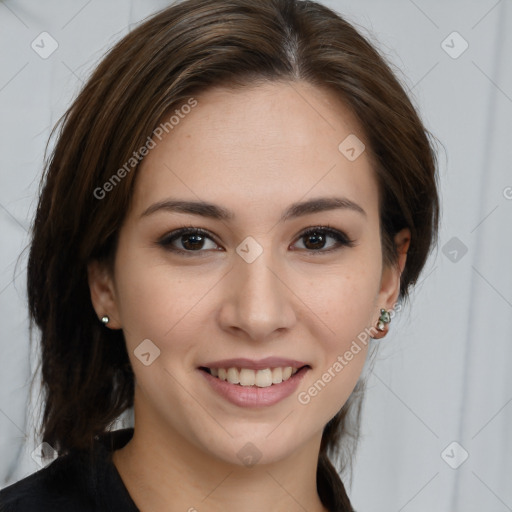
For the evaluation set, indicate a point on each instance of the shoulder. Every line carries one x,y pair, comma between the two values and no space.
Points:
57,487
75,482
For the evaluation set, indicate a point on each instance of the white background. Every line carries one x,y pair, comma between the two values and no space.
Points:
443,374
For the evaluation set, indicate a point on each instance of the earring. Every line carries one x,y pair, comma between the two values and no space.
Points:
105,319
383,320
382,324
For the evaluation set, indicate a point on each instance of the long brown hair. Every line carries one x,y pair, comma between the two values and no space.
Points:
180,52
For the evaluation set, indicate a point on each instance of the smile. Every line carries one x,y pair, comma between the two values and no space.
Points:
248,377
254,387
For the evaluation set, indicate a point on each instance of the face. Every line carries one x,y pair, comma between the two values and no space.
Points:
267,285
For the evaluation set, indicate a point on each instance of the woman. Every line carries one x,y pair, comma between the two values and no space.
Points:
239,200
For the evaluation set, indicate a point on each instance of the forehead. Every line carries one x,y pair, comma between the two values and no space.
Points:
259,146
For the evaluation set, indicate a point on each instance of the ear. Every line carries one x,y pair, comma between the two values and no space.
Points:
103,296
390,280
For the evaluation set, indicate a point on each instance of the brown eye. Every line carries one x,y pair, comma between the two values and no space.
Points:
316,239
192,240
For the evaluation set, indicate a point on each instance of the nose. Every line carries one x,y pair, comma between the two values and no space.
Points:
257,302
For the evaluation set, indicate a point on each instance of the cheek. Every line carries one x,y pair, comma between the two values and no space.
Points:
344,303
155,303
341,353
342,296
150,292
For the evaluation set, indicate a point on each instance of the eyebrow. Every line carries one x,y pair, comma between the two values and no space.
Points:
214,211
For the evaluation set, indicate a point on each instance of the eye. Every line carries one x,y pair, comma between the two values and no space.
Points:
316,239
192,240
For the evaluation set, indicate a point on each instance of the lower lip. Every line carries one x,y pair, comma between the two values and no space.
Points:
253,396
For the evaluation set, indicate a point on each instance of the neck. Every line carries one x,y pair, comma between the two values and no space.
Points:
163,471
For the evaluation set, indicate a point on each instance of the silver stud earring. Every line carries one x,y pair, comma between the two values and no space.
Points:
105,319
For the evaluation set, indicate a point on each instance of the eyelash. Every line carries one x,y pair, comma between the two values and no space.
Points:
341,239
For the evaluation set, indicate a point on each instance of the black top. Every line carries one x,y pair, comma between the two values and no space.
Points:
72,483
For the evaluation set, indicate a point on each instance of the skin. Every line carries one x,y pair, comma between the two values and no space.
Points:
254,151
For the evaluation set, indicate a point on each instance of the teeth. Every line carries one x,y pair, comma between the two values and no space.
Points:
264,378
247,377
277,375
233,375
260,378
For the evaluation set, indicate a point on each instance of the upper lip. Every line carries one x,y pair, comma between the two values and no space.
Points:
253,364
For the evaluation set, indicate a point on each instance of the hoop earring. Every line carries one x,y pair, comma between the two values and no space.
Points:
105,319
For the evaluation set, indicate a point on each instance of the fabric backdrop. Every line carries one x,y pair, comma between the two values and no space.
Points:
437,422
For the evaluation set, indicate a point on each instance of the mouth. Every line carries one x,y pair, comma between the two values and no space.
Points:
255,378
